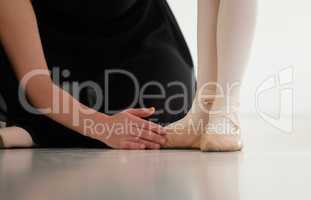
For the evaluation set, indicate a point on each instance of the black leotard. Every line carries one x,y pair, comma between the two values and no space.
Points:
89,37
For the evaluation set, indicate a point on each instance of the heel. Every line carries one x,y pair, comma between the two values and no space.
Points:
223,133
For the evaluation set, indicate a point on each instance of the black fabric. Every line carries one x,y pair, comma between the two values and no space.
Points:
142,37
83,11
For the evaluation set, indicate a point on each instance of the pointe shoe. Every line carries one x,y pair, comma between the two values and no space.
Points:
187,132
15,137
179,141
223,133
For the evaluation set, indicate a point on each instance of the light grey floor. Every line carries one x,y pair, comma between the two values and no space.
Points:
273,165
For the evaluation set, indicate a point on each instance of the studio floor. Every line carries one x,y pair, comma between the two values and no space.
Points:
273,165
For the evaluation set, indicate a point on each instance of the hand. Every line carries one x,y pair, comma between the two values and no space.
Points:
128,130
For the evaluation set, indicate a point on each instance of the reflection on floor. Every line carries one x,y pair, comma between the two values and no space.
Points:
273,165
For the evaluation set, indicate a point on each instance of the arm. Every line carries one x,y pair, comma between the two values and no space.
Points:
18,33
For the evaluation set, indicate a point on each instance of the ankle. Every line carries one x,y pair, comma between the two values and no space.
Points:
225,106
203,101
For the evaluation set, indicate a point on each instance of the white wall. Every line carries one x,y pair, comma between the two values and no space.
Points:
283,39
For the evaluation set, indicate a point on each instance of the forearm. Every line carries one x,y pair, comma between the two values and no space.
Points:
68,111
20,37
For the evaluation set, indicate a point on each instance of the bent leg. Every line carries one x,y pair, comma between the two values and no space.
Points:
156,78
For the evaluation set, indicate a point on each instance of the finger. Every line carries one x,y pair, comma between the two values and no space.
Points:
129,145
148,144
141,112
148,135
148,125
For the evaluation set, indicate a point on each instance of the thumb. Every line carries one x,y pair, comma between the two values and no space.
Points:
141,112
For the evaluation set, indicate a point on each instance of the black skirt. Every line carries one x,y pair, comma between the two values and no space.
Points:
144,41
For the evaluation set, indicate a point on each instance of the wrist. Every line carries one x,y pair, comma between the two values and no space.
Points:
97,126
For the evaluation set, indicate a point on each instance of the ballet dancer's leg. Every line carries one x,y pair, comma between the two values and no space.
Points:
215,117
236,25
186,133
